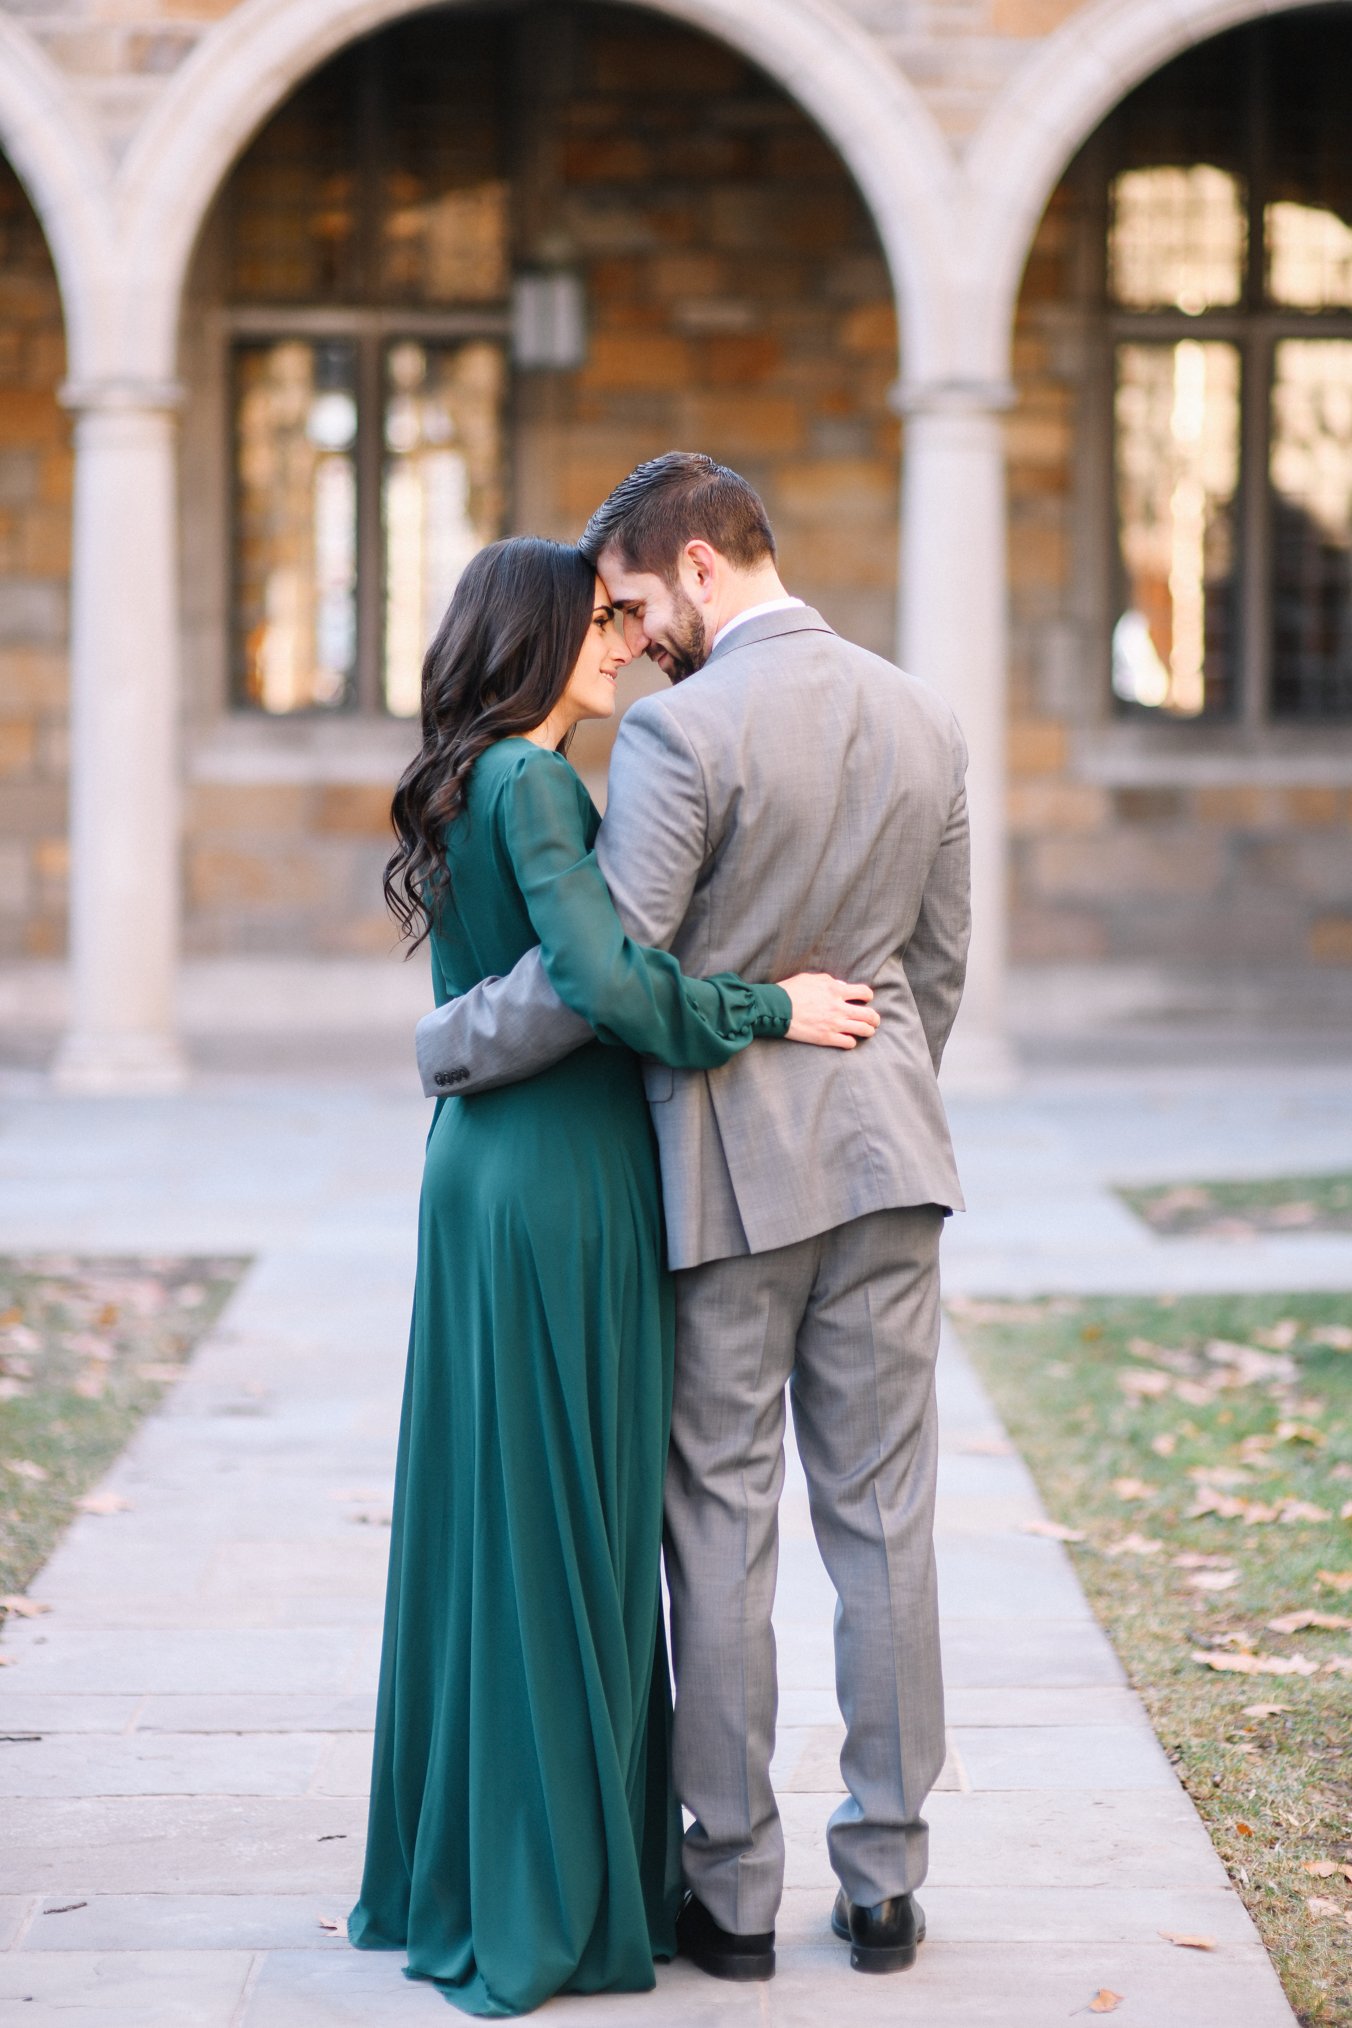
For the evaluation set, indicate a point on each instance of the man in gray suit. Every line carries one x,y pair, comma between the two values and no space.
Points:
792,804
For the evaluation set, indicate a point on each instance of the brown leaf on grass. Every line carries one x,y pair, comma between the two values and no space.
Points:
23,1608
1345,1511
1256,1665
1266,1710
1338,1337
24,1468
103,1503
1134,1489
1199,1559
1244,1830
1279,1337
1300,1212
1213,1580
1105,2001
1134,1544
1320,1905
1339,1665
161,1370
1055,1531
1195,1393
1336,1580
1165,1444
1144,1381
1299,1433
1188,1943
1302,1510
90,1386
1296,1623
1322,1869
10,1388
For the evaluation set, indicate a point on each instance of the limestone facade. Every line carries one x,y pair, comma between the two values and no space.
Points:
839,245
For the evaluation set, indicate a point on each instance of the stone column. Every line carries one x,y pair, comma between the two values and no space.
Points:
124,788
953,635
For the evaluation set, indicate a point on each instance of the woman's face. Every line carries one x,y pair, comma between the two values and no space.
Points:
590,691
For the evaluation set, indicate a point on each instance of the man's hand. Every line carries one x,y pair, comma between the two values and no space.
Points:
829,1012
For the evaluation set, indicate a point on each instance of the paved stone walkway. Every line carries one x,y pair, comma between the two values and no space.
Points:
189,1815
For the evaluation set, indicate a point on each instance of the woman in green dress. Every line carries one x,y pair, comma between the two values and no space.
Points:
523,1836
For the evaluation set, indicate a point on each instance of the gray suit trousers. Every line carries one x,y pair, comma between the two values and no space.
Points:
849,1319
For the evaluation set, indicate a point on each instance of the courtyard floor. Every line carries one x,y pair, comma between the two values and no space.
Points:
189,1816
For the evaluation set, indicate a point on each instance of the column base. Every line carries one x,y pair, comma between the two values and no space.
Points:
979,1062
119,1065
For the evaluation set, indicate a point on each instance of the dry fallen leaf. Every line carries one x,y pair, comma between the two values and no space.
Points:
1340,1665
1322,1869
1337,1336
1305,1510
8,1661
1266,1710
1134,1489
1105,2001
1320,1904
1336,1580
1199,1559
327,1922
1256,1665
23,1608
1055,1531
103,1503
1279,1337
1188,1943
1299,1433
1244,1830
986,1447
1165,1444
1144,1381
1296,1623
1214,1580
161,1370
1134,1544
24,1468
1345,1511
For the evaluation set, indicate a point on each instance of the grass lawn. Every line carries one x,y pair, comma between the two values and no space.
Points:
1203,1445
1237,1210
86,1348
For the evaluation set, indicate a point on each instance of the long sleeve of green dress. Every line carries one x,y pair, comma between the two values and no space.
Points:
630,993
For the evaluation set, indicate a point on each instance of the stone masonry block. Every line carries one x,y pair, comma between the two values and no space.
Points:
740,358
1037,746
32,612
1036,806
851,489
15,881
1055,935
730,425
1118,865
18,743
247,808
872,327
1331,940
1315,806
220,876
635,360
356,810
1247,806
1315,865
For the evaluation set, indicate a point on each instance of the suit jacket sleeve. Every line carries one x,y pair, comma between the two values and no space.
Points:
935,958
650,849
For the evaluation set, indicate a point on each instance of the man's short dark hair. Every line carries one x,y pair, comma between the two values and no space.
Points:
681,497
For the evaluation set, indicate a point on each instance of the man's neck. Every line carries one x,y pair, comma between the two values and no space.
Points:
743,591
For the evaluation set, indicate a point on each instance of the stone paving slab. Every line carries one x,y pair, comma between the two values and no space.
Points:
212,1652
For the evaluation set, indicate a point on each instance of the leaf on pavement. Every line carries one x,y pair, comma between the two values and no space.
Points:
103,1503
329,1923
986,1447
1105,2001
23,1608
1055,1531
1188,1943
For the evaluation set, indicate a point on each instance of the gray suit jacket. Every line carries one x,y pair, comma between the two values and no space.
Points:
796,805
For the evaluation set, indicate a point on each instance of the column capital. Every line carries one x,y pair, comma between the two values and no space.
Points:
951,397
122,395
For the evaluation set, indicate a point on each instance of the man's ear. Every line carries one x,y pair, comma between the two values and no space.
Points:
702,561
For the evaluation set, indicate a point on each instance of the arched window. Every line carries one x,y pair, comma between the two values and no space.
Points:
1225,280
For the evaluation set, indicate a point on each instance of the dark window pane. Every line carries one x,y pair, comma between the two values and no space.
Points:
444,204
1310,470
294,228
296,525
443,491
1176,410
1306,62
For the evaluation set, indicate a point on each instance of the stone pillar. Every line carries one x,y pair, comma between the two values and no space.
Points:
124,785
953,635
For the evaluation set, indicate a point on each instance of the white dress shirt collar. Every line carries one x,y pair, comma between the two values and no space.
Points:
781,605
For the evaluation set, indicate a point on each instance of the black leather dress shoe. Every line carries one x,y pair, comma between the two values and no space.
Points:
721,1952
883,1938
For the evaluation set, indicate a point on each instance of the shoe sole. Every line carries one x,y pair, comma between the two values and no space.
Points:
742,1969
864,1960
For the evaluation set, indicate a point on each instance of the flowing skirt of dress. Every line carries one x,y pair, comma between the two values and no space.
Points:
523,1836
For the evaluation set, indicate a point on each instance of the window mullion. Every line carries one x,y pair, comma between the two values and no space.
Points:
1255,542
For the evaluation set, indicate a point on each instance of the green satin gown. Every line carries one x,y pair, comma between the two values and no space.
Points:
523,1836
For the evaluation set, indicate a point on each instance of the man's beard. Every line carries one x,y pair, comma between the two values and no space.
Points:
687,645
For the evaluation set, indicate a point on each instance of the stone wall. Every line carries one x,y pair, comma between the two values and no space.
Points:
35,481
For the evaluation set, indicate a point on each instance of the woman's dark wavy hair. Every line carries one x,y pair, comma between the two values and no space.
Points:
498,664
